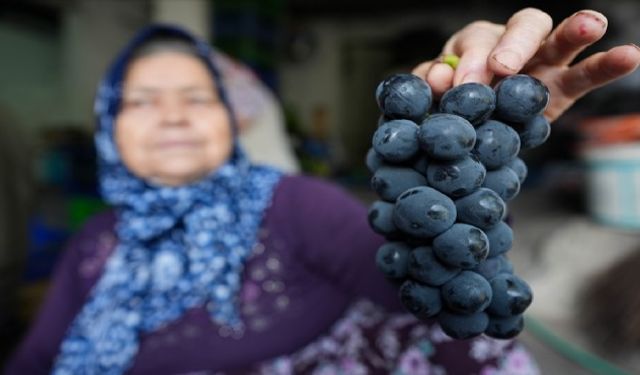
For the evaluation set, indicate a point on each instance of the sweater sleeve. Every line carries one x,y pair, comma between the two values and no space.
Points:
336,240
65,297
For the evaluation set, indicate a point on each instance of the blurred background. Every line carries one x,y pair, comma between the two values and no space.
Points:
309,71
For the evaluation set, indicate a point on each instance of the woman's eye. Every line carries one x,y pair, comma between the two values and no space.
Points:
200,100
138,102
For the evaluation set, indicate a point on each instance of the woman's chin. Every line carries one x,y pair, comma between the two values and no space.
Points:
176,178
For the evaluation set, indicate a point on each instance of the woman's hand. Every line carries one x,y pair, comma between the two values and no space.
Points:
527,44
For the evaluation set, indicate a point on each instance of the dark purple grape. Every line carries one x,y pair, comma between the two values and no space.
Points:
420,300
456,178
426,268
511,295
381,218
462,246
518,165
373,160
473,101
519,98
392,259
390,181
446,137
396,140
496,144
459,326
404,96
500,239
493,266
503,181
504,327
534,132
482,208
467,293
423,212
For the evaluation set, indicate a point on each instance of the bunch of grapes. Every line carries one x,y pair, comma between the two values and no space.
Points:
443,174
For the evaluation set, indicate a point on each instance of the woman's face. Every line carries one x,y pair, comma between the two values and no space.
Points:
172,128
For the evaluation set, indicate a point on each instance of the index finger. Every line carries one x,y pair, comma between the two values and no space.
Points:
525,32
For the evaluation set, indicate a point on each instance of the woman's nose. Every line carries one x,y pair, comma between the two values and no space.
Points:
174,112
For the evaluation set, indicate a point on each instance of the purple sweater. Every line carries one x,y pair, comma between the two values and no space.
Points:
314,257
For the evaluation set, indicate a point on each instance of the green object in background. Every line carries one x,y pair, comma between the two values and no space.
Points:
572,352
80,209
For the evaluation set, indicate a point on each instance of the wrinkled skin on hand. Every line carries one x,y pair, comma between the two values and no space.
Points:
529,44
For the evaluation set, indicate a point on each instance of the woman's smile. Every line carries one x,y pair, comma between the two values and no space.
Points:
180,145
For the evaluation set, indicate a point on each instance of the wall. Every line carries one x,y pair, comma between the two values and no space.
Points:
93,32
194,14
30,76
49,77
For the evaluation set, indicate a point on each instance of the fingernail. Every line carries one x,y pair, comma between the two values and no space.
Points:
593,15
635,46
509,59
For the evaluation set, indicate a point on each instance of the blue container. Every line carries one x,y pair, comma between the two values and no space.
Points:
613,184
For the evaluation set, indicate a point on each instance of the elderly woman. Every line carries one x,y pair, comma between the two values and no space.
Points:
210,265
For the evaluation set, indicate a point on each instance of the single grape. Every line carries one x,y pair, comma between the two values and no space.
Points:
473,101
482,208
459,326
519,98
373,160
404,96
503,181
381,218
500,239
504,327
426,268
396,140
534,132
462,246
446,137
420,300
423,212
392,259
511,295
493,266
467,293
456,178
496,144
518,165
390,181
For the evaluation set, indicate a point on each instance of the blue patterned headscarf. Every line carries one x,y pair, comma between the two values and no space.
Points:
179,247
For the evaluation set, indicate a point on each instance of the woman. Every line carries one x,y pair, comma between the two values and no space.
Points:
210,265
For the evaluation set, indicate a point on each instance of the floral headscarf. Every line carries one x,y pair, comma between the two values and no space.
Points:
179,247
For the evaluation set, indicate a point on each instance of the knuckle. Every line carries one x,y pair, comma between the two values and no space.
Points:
482,25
